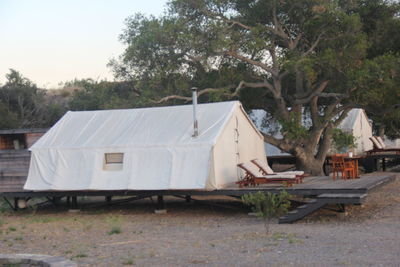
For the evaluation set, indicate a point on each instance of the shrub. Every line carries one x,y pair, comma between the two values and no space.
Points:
268,206
115,230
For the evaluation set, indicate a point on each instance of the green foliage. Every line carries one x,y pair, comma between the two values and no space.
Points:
343,141
292,128
79,255
115,230
128,261
93,95
379,93
24,105
8,119
283,51
268,205
4,207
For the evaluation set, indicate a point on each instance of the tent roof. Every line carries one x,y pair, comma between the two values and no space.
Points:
351,118
143,127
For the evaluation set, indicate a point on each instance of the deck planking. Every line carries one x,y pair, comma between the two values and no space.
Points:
311,186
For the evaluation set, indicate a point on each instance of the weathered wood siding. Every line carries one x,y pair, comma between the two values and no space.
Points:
31,138
14,166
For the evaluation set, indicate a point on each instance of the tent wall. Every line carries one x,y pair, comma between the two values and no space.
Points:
357,124
239,142
392,143
362,131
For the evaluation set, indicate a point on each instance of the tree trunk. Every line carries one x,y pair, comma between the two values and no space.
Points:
381,131
310,165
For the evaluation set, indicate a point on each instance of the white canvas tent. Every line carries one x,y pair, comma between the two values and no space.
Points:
392,143
145,149
356,123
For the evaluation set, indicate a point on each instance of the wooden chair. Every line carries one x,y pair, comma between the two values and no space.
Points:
265,169
339,165
253,177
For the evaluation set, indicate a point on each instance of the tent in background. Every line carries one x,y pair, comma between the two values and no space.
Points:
356,123
145,149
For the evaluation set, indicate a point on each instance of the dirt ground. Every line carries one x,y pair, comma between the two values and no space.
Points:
198,233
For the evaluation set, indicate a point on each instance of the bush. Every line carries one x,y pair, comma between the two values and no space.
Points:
115,230
268,206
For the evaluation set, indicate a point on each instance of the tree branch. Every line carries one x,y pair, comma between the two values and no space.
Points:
317,92
313,46
280,143
189,98
252,62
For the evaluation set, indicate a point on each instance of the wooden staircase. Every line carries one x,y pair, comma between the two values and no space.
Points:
14,167
319,202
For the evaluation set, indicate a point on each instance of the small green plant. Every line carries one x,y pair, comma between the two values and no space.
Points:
3,206
12,229
68,252
292,127
80,255
128,261
115,230
267,206
343,141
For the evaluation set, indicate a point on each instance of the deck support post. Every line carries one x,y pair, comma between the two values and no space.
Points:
188,198
56,201
16,203
108,199
160,205
68,201
74,202
342,207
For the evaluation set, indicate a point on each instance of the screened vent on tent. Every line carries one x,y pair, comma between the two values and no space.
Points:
113,161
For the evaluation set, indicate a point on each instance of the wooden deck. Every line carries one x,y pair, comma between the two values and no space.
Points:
320,191
312,186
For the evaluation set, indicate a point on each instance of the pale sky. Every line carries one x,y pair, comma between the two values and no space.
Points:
52,41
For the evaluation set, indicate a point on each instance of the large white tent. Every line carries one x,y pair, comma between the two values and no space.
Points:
145,149
355,123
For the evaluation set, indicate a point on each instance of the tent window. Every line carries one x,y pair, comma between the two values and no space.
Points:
113,161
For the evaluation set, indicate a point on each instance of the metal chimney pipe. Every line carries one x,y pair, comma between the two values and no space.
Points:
194,101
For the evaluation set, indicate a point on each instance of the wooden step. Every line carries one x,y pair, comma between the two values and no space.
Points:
343,198
302,211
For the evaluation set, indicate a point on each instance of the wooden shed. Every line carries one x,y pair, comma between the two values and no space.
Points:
16,139
15,156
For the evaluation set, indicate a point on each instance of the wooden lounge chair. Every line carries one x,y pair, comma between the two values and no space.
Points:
379,146
265,169
253,177
339,165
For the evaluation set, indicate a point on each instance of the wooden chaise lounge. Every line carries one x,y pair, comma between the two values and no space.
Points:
265,169
254,177
379,146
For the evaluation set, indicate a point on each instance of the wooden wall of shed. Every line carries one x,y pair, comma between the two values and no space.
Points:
31,138
14,167
6,143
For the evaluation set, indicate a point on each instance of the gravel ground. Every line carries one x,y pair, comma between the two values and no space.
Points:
196,234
